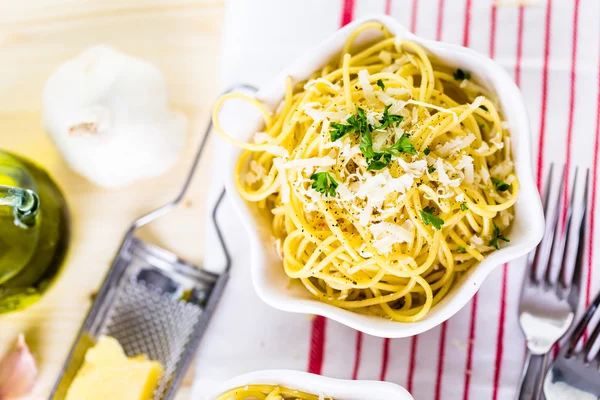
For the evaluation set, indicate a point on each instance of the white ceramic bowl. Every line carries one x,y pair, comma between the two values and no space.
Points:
316,384
268,276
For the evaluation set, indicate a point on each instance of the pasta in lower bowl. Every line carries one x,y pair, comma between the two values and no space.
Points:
269,392
287,384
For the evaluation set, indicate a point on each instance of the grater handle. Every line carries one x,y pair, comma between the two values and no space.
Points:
151,216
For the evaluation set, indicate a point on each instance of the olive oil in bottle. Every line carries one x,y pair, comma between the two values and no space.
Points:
34,232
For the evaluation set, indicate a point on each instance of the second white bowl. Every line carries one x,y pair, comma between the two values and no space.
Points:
318,385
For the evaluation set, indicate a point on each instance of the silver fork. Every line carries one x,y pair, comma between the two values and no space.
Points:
550,296
574,374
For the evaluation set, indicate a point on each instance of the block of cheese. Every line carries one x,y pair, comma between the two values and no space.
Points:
107,373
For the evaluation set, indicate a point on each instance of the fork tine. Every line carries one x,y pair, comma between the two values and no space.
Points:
589,344
574,283
563,239
543,252
547,190
532,255
582,325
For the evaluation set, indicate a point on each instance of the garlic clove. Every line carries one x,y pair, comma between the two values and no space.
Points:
18,372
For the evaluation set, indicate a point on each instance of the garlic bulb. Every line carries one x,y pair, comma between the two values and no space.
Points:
18,372
108,114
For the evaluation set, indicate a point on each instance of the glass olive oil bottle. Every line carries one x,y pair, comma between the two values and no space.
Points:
34,232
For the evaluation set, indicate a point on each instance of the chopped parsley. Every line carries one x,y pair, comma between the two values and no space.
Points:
403,145
380,84
359,125
430,219
460,75
427,151
376,161
497,236
359,121
500,185
339,130
380,161
431,169
484,108
366,145
324,183
356,123
388,119
461,250
463,206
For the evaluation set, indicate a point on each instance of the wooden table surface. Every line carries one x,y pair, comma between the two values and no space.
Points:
182,38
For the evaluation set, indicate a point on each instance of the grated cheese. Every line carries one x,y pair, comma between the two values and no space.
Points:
477,102
443,178
278,250
385,57
438,108
319,115
416,168
387,234
506,217
363,252
391,68
314,82
376,188
261,137
455,145
398,132
344,193
398,91
503,169
476,240
384,97
398,43
278,151
379,139
306,163
257,172
398,107
485,174
466,164
483,148
348,151
373,117
497,140
363,79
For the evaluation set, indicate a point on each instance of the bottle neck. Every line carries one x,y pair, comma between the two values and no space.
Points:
25,203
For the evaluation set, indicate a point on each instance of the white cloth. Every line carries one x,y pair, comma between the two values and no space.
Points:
263,36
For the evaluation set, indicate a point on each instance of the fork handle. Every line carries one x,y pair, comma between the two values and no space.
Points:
530,385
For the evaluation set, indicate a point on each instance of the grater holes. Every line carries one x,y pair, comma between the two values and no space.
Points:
145,321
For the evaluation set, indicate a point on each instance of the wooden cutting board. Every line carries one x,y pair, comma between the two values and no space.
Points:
182,38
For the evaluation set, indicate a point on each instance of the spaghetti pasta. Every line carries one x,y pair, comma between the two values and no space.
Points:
268,392
387,175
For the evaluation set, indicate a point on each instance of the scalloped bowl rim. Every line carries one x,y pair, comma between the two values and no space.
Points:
317,384
529,215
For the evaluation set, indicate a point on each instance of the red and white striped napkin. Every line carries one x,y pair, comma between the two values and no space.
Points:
552,49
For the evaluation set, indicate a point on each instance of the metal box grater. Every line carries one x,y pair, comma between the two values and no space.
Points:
153,303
